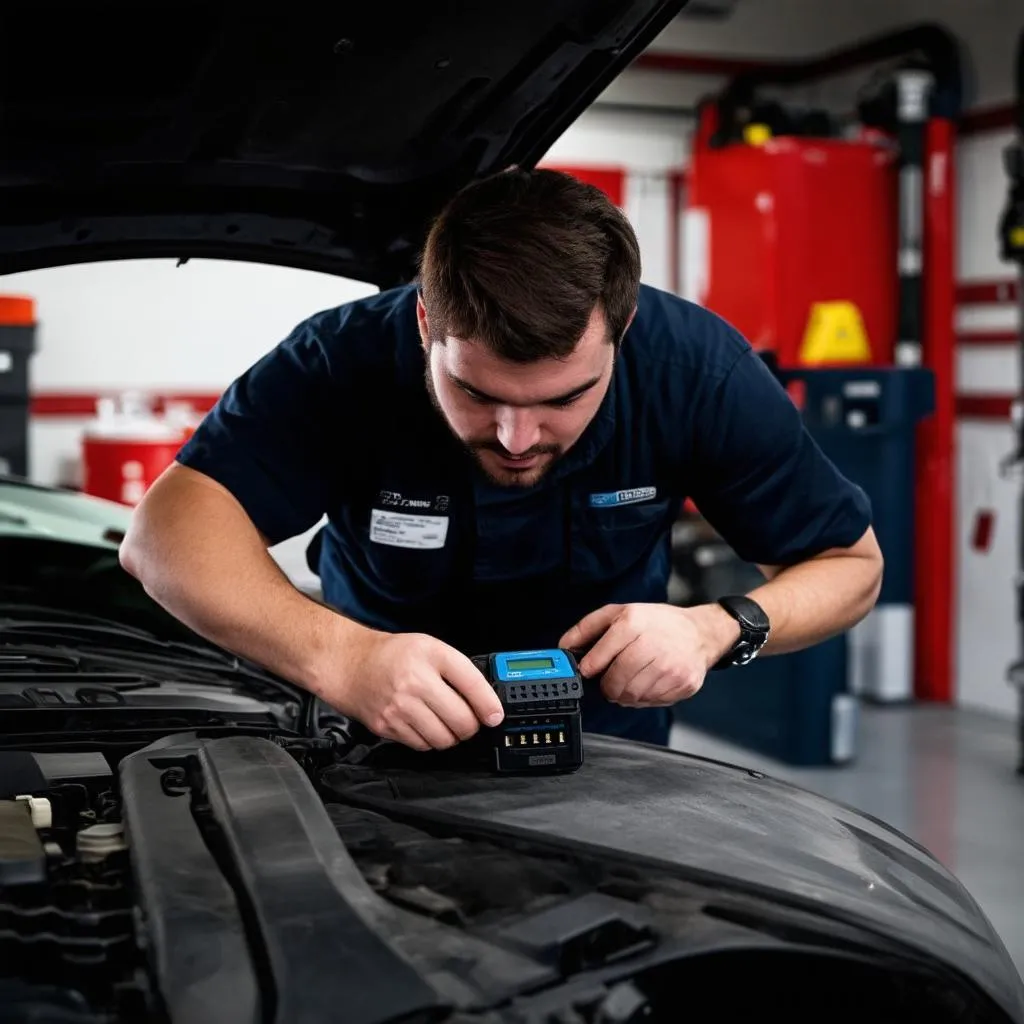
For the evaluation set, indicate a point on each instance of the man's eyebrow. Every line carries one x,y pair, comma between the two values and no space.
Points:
553,400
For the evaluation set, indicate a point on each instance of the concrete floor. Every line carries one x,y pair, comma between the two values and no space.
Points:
945,778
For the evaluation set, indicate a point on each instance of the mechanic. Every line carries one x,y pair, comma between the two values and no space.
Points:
497,453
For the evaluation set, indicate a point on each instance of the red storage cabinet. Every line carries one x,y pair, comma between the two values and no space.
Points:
775,228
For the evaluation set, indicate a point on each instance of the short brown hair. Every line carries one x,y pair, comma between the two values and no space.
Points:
519,260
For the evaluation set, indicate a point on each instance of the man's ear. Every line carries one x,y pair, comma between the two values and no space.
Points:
422,323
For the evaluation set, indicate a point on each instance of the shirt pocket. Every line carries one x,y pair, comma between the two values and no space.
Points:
410,557
609,541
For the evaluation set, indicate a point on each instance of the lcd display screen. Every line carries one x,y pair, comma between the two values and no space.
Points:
529,664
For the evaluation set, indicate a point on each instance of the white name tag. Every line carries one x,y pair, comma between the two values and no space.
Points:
402,530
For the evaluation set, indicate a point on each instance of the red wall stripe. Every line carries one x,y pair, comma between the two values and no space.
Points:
981,338
83,403
984,407
988,119
978,293
991,408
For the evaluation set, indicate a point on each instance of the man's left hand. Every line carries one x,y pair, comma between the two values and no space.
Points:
651,655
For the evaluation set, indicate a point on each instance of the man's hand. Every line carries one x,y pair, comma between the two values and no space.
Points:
651,655
414,689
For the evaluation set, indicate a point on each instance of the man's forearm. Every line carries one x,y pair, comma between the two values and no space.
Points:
822,597
805,603
197,555
263,618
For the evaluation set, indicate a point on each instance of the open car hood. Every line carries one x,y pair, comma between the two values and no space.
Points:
723,825
320,136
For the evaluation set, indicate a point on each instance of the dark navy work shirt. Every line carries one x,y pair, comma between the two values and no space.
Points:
336,421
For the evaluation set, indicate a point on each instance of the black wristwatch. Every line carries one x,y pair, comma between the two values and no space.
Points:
754,630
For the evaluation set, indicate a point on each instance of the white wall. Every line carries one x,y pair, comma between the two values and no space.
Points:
153,325
986,596
148,322
986,606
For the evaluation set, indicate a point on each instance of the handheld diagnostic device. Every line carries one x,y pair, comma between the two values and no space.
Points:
540,692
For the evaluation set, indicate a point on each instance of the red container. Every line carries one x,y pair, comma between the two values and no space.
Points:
123,470
125,451
773,229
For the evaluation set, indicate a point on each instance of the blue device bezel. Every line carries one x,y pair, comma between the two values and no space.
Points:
561,669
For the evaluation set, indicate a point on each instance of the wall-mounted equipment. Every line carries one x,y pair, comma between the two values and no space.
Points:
827,239
17,344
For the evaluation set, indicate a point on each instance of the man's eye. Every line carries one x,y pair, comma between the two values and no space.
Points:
564,403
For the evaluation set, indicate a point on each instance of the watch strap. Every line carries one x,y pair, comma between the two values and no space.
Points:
754,630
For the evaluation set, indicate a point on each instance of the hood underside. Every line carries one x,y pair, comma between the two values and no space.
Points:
316,136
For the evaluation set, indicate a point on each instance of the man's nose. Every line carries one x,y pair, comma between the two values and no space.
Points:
518,429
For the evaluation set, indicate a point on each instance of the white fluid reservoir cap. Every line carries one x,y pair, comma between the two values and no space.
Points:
99,841
40,809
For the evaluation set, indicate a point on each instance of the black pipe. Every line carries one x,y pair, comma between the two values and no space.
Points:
935,47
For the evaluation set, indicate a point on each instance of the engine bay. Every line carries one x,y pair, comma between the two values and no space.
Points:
239,879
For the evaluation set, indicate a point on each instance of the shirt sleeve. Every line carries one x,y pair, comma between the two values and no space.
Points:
761,480
264,439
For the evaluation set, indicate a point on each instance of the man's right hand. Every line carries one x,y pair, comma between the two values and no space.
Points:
412,688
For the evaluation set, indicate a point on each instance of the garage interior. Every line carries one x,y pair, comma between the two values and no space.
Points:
769,155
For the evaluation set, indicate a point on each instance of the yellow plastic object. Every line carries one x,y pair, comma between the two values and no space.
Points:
757,134
835,334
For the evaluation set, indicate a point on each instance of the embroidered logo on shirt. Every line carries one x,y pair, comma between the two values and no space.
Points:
394,499
628,497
